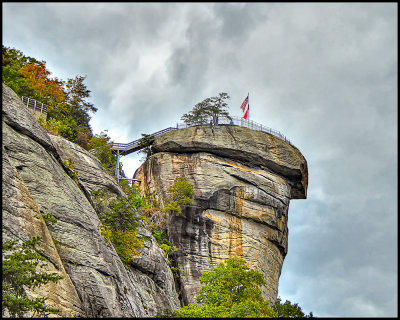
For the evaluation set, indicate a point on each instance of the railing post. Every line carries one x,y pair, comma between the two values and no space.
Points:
117,166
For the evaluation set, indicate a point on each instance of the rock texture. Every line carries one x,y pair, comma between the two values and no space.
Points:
243,180
96,283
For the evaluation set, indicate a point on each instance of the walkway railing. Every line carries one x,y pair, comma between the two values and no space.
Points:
126,148
35,105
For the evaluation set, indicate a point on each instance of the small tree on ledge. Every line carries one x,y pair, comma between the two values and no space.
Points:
209,108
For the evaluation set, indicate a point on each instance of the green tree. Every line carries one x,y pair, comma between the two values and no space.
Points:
180,194
208,110
229,290
68,113
100,145
76,100
20,271
145,144
289,310
120,219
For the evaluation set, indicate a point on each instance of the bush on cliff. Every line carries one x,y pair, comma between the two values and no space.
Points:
180,194
120,219
100,146
21,270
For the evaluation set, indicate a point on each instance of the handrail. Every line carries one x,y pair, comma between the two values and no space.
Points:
34,104
132,146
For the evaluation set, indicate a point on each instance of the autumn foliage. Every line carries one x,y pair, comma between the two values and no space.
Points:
69,110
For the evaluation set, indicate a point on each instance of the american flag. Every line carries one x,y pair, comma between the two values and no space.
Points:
245,102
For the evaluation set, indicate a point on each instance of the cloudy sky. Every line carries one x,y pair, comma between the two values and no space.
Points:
323,74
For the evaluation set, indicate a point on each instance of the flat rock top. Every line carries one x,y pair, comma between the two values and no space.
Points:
253,148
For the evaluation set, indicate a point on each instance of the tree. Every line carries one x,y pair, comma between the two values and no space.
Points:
48,91
120,219
76,100
229,290
180,194
145,144
20,272
208,110
68,114
289,310
101,147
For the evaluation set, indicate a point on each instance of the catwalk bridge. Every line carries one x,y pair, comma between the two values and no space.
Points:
127,148
122,149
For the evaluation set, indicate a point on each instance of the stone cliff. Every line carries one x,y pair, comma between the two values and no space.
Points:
244,180
96,283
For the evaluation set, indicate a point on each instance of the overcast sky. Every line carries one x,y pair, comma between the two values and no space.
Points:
323,74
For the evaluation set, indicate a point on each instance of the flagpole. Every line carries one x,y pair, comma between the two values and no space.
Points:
248,111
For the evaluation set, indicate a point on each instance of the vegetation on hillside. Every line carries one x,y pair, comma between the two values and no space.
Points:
69,110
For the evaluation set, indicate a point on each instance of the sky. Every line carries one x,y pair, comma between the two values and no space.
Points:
323,74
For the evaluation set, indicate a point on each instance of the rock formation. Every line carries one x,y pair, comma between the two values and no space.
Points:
244,180
96,283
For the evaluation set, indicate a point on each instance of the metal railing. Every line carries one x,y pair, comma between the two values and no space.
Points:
35,105
126,148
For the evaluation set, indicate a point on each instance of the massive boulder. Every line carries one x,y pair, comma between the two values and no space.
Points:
96,283
243,181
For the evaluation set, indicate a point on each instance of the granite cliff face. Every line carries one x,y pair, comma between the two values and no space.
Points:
243,180
96,283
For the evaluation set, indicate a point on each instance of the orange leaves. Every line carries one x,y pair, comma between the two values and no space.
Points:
38,77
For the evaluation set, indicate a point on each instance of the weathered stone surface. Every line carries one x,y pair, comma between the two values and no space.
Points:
149,272
91,174
241,201
22,220
103,286
18,116
253,148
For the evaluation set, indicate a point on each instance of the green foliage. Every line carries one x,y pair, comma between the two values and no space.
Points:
145,144
65,127
179,194
229,290
49,218
125,243
120,218
69,164
68,114
101,147
162,239
20,271
289,310
209,108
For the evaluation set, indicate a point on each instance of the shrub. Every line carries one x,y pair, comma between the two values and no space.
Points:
101,147
49,218
179,194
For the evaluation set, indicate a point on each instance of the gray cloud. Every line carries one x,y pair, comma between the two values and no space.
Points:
324,74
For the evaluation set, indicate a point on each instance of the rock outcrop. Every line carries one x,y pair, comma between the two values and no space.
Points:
243,180
96,283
